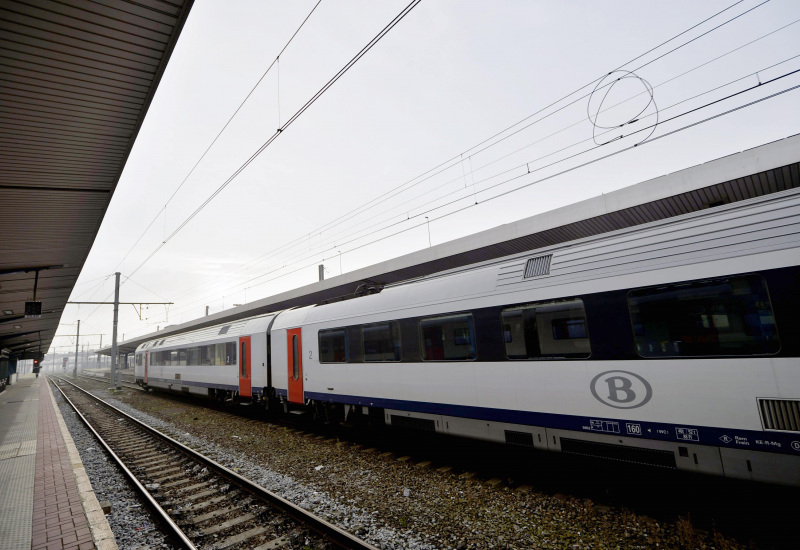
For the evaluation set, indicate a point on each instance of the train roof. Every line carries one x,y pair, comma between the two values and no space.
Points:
762,227
219,332
763,170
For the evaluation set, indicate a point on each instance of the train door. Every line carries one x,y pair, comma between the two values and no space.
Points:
294,347
146,362
245,389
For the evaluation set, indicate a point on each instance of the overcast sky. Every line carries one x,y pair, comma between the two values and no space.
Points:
449,76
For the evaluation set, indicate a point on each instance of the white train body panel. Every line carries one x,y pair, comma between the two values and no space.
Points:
695,401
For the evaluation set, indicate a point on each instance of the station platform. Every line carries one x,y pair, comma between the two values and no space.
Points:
46,499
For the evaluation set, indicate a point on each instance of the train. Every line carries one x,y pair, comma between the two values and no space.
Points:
673,343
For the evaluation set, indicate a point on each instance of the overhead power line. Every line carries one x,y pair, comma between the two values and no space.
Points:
472,150
540,180
347,233
214,141
283,128
305,107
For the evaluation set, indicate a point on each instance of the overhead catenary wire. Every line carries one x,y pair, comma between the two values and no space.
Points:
643,54
389,194
592,161
471,151
225,126
344,234
283,128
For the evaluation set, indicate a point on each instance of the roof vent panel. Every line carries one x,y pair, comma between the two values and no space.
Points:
538,266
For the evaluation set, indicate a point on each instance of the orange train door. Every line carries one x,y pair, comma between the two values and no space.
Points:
146,361
245,388
294,347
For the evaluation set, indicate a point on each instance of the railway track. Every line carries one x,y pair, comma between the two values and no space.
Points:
104,380
199,502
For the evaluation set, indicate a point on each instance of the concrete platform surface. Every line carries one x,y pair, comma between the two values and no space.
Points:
46,499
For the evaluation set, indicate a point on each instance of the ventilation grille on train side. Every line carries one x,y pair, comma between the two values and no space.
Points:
780,414
537,266
622,453
519,438
413,423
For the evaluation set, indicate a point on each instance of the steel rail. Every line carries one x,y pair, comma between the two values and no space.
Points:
335,534
174,531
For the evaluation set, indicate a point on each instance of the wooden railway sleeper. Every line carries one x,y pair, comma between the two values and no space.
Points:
196,520
237,540
148,462
226,524
194,487
202,505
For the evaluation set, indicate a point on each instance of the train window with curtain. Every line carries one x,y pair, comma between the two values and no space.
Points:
333,346
450,338
381,342
725,316
546,330
221,356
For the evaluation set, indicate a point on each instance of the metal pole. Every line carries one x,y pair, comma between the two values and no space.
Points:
114,358
77,339
429,230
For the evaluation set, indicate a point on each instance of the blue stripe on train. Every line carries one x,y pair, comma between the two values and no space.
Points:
776,442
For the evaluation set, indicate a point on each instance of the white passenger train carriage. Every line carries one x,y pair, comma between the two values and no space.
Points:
673,343
219,361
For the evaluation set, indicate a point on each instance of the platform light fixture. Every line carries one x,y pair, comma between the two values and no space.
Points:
8,312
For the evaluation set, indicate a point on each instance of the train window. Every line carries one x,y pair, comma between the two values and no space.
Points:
450,338
243,359
221,357
139,359
727,316
173,358
193,356
381,342
295,358
230,353
333,346
546,330
207,355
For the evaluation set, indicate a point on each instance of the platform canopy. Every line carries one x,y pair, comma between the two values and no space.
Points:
76,80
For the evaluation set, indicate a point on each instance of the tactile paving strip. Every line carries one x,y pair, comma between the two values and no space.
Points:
17,464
